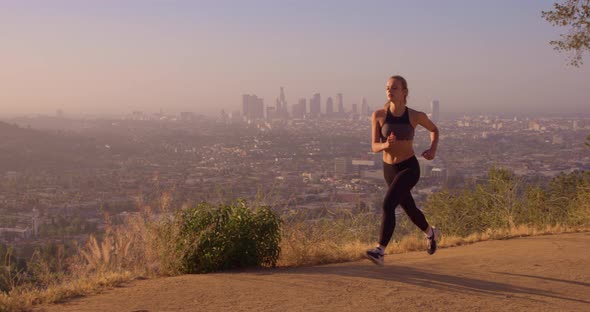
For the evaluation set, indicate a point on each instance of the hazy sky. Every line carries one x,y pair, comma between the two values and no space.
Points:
119,56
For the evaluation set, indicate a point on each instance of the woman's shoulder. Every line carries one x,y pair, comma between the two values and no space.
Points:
379,113
416,113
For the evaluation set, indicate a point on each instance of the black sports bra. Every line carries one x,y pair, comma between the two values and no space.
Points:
400,126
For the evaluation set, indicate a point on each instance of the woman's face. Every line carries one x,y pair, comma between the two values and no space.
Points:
395,91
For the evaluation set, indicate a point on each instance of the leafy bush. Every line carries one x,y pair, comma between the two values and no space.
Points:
227,236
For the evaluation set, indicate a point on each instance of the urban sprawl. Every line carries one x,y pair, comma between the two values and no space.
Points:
60,176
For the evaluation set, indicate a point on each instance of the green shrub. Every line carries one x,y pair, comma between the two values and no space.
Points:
227,236
503,201
495,203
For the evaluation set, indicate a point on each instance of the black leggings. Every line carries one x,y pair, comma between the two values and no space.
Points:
400,178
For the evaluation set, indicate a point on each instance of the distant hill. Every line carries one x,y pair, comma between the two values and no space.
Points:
23,148
6,128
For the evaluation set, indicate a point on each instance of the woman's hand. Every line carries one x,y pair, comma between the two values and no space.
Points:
430,126
429,153
390,139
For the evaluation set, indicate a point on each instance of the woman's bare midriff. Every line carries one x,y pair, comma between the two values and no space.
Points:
398,152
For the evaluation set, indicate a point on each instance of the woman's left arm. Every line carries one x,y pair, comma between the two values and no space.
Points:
425,122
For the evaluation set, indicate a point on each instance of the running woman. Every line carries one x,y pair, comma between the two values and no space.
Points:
393,134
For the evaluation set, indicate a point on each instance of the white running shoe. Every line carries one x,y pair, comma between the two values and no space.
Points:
375,255
432,241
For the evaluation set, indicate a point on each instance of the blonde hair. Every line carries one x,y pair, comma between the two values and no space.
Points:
404,86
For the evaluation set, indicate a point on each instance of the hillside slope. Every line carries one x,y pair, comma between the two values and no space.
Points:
543,273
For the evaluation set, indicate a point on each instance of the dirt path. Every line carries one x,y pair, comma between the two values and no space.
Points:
543,273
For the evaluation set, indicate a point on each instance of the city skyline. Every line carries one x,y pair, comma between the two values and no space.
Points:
115,58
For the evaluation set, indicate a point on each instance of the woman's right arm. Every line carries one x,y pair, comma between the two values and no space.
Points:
376,144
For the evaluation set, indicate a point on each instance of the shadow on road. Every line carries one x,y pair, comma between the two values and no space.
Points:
462,284
546,278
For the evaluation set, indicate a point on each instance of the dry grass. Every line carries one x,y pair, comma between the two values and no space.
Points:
136,249
336,236
22,299
142,246
103,268
297,250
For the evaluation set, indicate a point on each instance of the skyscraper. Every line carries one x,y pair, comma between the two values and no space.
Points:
315,106
282,105
329,106
258,108
298,110
252,107
340,103
282,98
246,105
364,107
303,104
435,109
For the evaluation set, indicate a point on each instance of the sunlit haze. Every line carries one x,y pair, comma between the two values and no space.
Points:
115,57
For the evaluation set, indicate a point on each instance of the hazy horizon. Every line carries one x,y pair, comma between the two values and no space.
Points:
110,57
